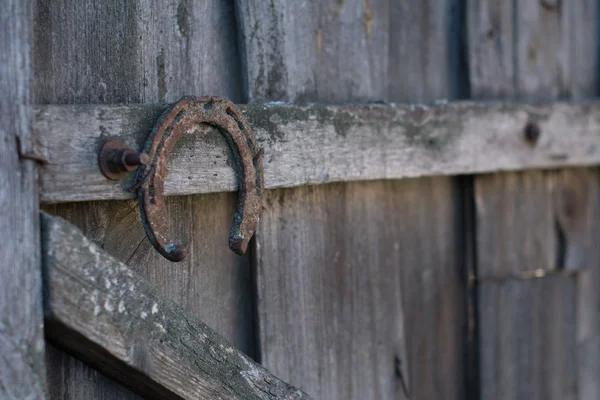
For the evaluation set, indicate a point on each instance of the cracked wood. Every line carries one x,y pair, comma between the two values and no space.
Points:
22,368
319,144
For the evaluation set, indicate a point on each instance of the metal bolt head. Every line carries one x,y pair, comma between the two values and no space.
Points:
116,159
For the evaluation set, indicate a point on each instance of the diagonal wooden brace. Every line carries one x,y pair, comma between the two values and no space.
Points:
106,314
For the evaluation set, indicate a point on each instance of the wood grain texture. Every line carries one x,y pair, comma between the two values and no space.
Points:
583,48
319,144
578,217
71,378
147,51
350,50
544,217
528,339
537,51
491,40
329,51
516,223
212,283
321,256
425,50
104,312
344,278
133,51
22,369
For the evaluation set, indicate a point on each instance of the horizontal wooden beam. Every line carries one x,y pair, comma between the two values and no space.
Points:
104,313
319,144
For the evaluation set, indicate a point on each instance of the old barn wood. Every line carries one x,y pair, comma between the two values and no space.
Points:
320,144
429,223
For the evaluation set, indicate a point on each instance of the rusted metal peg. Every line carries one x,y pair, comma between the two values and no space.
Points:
116,159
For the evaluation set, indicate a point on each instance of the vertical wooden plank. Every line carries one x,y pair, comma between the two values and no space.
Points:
530,49
334,272
512,366
531,224
429,231
425,51
491,48
541,55
583,50
526,304
70,378
517,209
528,338
148,51
317,278
360,286
577,209
22,369
326,51
342,50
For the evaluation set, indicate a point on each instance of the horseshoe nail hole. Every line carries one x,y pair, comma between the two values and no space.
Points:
232,115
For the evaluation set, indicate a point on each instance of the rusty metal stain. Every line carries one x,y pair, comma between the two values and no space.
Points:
178,119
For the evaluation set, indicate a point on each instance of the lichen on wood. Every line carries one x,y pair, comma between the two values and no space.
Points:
100,310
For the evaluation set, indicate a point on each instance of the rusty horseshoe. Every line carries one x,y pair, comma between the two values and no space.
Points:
180,118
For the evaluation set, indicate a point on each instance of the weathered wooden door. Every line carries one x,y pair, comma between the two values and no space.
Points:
393,259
